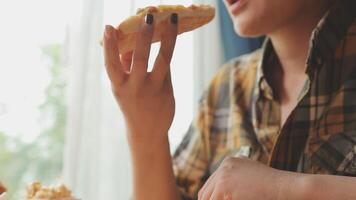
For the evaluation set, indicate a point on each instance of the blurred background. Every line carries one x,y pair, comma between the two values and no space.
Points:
59,122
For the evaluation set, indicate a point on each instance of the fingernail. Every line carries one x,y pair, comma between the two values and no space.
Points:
149,19
174,18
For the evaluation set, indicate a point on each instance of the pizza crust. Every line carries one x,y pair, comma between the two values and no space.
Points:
189,18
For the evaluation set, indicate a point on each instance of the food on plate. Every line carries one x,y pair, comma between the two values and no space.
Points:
189,18
36,191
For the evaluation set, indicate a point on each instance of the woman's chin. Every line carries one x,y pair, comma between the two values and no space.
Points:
247,31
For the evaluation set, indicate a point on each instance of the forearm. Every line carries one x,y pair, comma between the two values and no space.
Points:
153,176
320,187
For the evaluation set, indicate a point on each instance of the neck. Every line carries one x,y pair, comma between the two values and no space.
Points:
291,42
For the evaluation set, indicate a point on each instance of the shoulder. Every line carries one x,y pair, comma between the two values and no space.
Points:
240,66
237,74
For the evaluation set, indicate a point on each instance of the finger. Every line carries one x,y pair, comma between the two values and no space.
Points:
216,195
207,187
219,195
208,191
142,50
167,81
164,57
111,54
126,61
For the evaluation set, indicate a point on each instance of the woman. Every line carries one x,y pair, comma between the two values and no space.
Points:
288,107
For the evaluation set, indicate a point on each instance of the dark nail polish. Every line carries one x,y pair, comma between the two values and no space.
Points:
174,18
149,19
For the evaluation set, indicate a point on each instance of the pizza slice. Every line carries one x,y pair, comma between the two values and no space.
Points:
189,18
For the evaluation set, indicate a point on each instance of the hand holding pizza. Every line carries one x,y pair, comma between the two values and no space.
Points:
145,98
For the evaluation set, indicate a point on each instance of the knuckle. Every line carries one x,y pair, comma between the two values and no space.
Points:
227,195
172,31
141,60
163,58
146,33
229,164
222,190
110,65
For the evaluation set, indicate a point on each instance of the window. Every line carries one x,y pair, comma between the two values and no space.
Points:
34,84
32,93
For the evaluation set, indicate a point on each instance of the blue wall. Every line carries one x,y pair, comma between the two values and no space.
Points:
233,44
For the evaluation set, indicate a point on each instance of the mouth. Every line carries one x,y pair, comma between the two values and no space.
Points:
236,6
231,2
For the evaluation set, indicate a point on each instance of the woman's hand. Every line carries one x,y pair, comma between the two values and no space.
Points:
145,98
244,179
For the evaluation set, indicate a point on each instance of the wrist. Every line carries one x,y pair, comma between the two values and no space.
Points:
143,134
297,186
141,147
144,138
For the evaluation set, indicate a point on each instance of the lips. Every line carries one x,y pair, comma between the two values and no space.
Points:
236,6
230,2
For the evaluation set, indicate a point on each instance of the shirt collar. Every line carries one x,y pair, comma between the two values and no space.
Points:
324,41
268,56
329,33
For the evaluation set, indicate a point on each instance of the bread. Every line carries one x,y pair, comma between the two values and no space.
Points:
189,18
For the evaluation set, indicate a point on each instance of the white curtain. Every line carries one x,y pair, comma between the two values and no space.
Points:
208,53
97,162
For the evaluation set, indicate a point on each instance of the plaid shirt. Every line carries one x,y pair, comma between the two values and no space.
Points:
239,115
